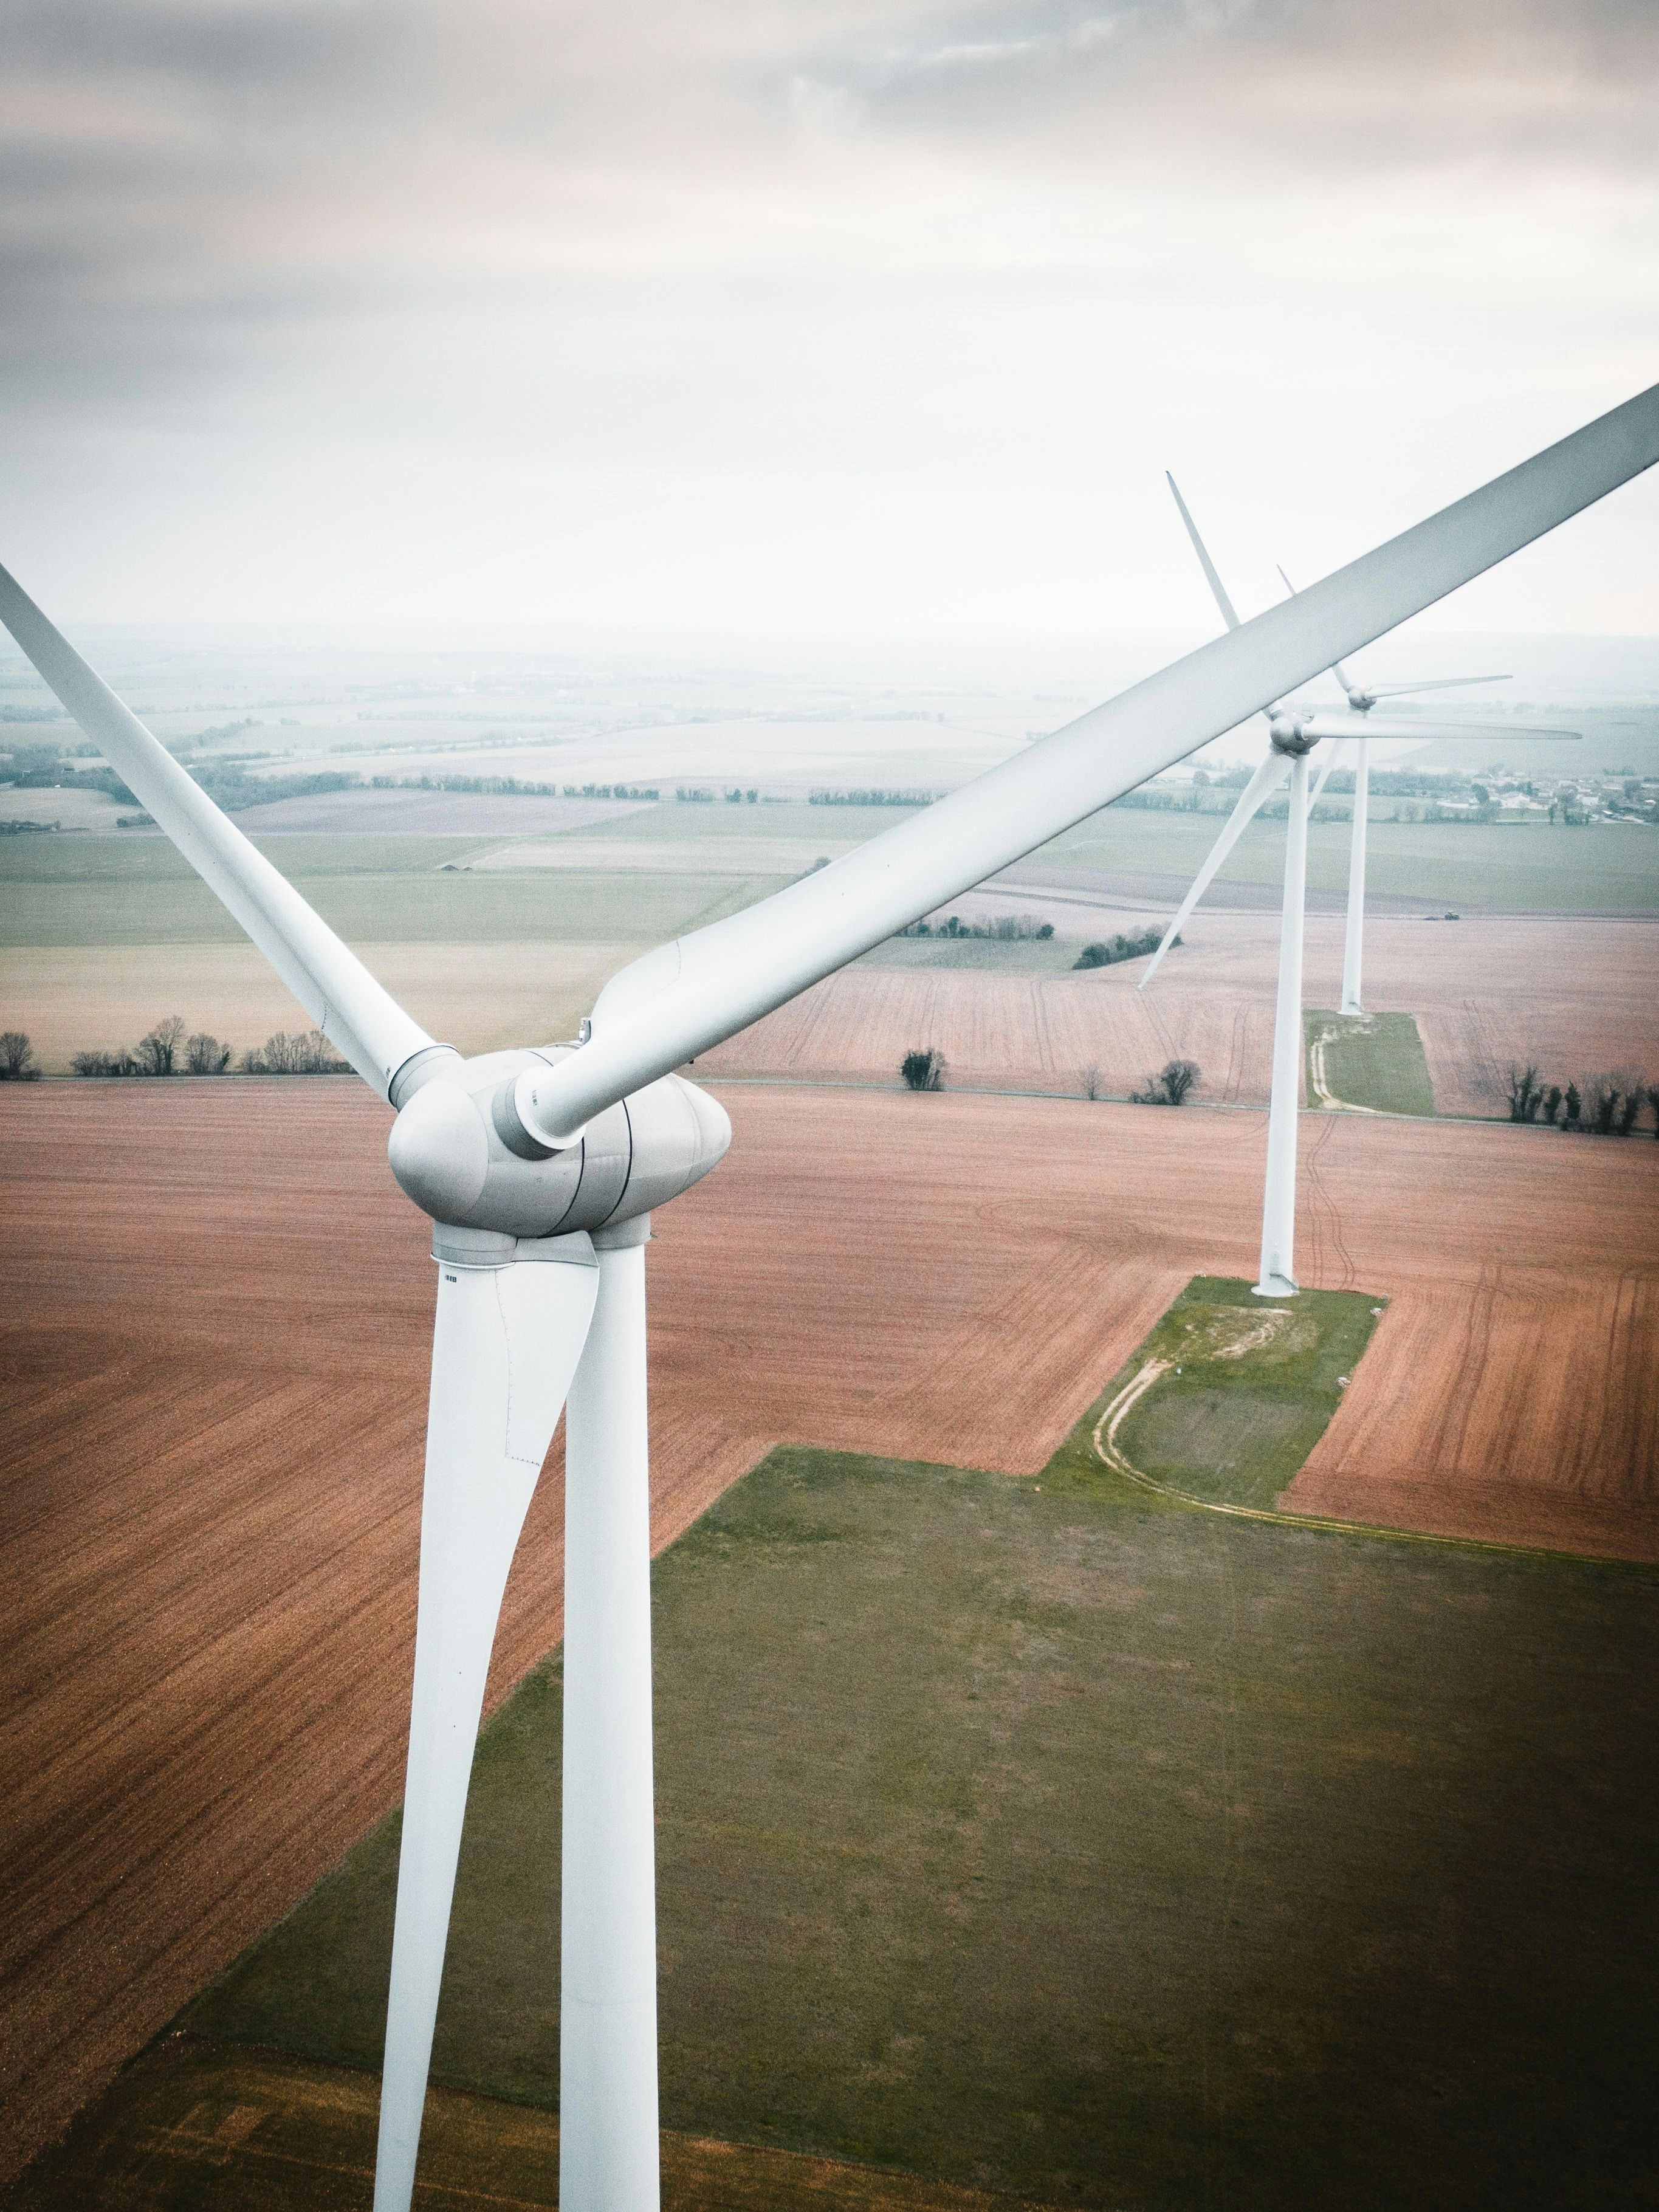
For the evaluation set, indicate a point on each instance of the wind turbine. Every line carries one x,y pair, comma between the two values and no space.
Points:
1292,734
539,1170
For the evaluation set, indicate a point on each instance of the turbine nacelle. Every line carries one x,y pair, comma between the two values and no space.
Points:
1291,736
461,1152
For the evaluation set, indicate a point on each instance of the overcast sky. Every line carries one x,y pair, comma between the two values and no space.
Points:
810,316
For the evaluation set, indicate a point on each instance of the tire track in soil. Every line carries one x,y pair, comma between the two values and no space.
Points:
1325,1218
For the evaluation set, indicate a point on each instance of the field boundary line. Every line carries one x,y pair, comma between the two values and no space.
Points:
714,1077
1106,1452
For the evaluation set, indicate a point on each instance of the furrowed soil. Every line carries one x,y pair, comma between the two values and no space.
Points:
215,1346
1575,996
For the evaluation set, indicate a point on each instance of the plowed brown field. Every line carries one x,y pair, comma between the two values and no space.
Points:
215,1340
1578,997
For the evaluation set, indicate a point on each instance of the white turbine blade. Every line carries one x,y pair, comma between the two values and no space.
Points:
686,997
1266,780
1337,669
1205,562
1437,683
1383,725
504,1349
351,1009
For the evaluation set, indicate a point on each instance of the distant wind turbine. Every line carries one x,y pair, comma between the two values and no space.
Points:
1294,731
539,1170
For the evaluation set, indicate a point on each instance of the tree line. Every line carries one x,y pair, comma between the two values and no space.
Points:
1604,1106
1005,928
167,1050
1114,949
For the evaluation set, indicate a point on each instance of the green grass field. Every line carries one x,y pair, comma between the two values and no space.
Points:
386,907
1245,1389
1057,1838
1375,1060
152,859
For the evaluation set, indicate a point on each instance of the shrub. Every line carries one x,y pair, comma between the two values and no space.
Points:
17,1058
205,1055
923,1070
308,1054
1172,1085
105,1063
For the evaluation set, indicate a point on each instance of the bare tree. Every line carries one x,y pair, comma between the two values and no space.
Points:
17,1058
308,1054
159,1050
205,1055
1089,1079
1602,1104
923,1070
1172,1085
1179,1079
1526,1093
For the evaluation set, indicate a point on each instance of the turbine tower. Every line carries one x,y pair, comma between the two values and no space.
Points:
540,1169
1292,734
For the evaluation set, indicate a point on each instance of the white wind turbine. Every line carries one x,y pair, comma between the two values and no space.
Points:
539,1169
1294,731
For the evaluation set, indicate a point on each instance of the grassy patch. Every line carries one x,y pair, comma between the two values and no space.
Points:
1612,869
1244,1388
1049,1837
1367,1059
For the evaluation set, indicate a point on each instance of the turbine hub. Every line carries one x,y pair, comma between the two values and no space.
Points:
459,1149
1290,736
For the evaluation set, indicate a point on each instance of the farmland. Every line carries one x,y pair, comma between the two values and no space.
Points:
1580,995
215,1354
1050,1839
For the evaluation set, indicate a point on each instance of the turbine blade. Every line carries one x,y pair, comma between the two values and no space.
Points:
1437,683
1255,793
1205,562
688,996
1324,773
1337,669
1381,725
351,1009
505,1346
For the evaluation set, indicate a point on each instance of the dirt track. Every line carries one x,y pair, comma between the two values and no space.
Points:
1576,996
215,1346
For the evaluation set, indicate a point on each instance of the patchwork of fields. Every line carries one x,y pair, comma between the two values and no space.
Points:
216,1358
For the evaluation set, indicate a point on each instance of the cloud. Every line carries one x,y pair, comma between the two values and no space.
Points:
686,277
